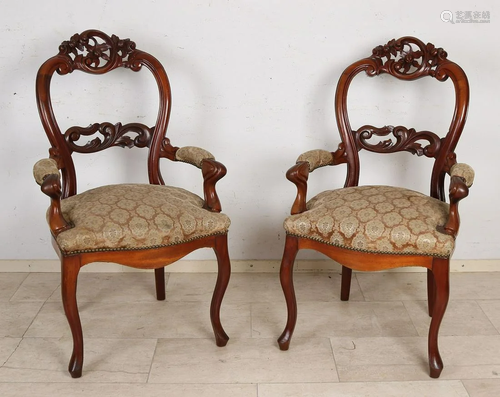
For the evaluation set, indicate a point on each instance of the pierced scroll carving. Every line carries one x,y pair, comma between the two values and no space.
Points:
406,140
95,52
408,58
113,134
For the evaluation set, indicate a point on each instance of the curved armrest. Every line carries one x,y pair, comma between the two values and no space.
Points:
464,171
299,174
461,178
316,158
306,163
44,168
193,155
211,170
47,176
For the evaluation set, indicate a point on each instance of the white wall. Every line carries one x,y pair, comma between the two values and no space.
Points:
253,82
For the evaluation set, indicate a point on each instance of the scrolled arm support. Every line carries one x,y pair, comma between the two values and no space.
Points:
47,176
461,178
212,171
306,163
299,174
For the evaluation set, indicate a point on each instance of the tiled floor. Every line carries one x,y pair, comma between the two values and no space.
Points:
373,345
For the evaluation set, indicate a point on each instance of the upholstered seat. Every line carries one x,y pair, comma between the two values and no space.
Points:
377,219
128,216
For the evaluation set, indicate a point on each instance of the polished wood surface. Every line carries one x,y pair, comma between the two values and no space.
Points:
95,52
406,59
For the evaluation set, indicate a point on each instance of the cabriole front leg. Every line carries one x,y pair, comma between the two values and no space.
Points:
223,275
441,271
286,278
70,267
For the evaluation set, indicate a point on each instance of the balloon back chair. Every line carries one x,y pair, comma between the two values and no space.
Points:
146,226
368,228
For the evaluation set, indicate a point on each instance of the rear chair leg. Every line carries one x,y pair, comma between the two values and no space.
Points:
345,288
160,283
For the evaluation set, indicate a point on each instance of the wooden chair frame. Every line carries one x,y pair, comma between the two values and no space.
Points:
407,59
96,53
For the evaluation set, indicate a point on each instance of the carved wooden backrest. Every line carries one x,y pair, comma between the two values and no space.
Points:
96,53
406,59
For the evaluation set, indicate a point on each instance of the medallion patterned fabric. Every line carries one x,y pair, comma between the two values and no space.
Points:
136,216
193,155
45,167
378,219
316,158
464,171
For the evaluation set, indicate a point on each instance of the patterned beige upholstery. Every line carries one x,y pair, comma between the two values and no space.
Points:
45,167
379,219
316,158
465,171
136,217
193,155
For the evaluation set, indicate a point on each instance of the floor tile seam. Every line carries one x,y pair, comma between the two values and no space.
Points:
359,286
34,300
86,372
33,319
488,317
69,337
411,318
152,360
19,286
167,281
334,360
251,321
54,291
94,383
113,302
337,300
10,355
431,380
465,387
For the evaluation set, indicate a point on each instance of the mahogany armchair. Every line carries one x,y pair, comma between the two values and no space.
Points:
369,228
145,226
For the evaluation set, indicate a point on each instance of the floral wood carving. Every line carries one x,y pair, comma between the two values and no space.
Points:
95,52
408,58
406,140
114,135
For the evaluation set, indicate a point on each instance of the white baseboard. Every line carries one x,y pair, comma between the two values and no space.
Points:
237,266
